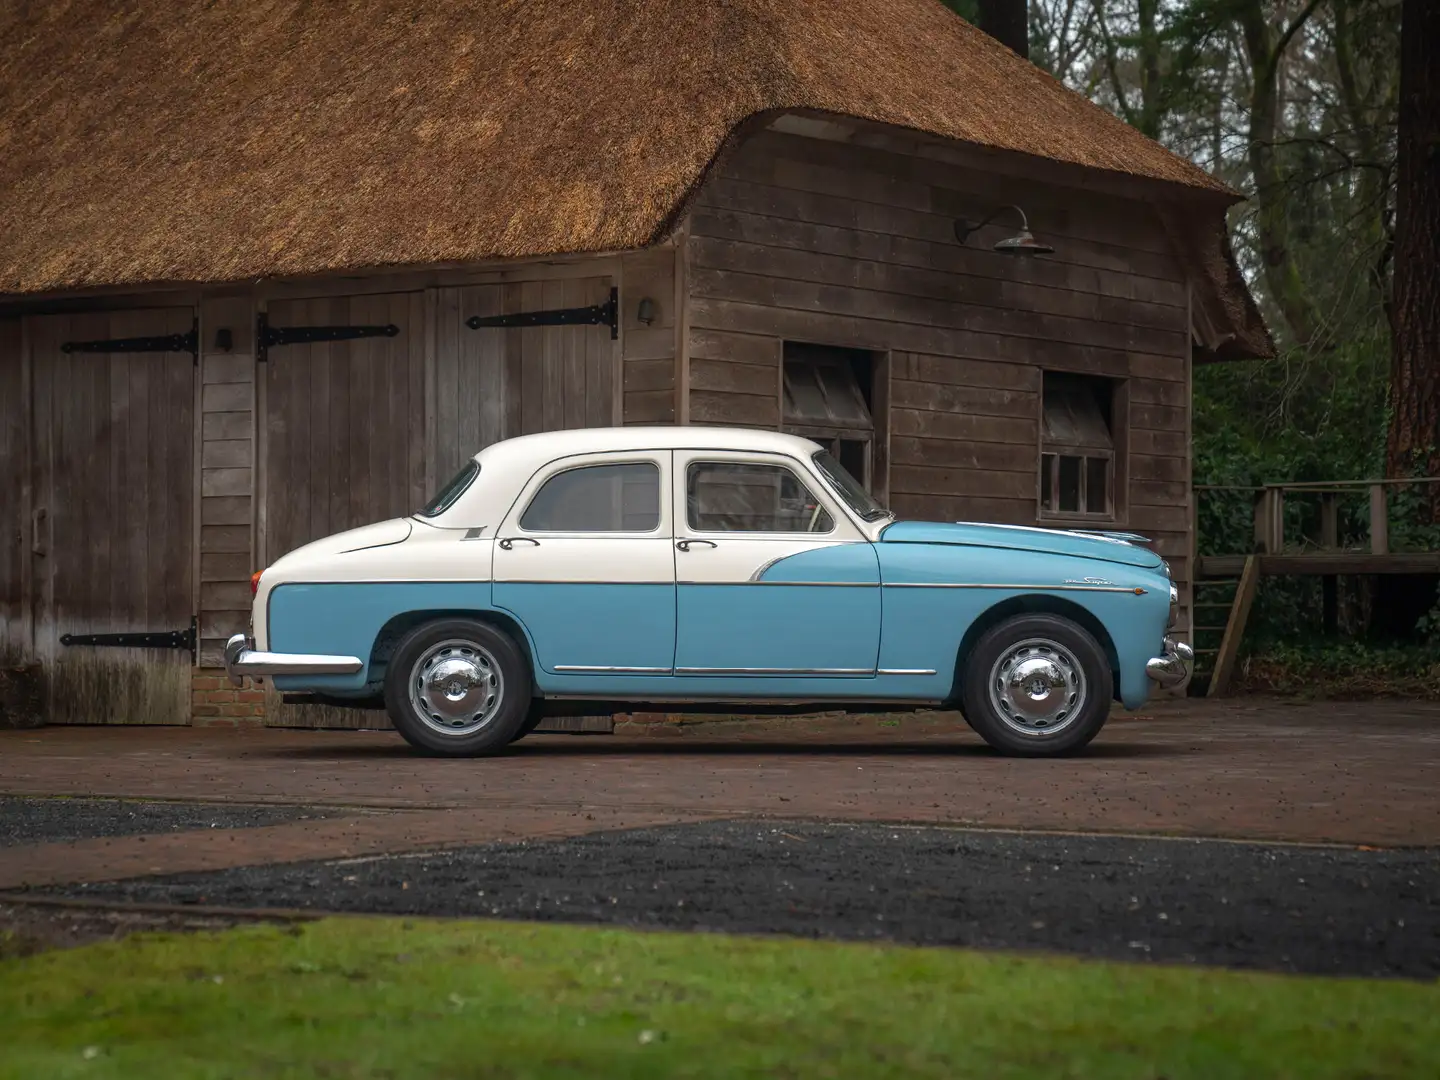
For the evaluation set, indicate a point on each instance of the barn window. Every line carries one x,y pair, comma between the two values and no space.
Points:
828,397
1077,458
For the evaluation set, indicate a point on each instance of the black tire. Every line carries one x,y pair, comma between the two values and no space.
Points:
1073,686
487,664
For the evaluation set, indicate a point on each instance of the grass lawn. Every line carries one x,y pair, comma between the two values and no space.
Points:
378,997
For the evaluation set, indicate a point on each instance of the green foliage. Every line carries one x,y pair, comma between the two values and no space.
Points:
373,997
1341,670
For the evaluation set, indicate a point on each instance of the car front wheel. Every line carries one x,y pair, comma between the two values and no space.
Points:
457,687
1037,686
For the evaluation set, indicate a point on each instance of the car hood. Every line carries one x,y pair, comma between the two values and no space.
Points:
380,534
1022,538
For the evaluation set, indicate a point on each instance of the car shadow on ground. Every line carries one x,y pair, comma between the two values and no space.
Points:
541,747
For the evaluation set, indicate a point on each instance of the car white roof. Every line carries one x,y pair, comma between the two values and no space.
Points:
505,467
549,445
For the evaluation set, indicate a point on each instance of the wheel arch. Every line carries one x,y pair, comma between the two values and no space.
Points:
1034,604
395,629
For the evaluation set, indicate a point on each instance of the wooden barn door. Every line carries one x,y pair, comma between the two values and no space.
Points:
112,511
16,608
342,435
495,383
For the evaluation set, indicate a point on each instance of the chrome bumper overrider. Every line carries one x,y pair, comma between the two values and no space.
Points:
241,659
1174,666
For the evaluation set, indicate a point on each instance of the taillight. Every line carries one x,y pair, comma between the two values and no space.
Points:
255,582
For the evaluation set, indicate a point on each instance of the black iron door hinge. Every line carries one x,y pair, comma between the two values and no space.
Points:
187,342
267,336
606,314
154,639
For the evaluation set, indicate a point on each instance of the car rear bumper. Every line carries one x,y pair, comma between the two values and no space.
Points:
242,659
1172,667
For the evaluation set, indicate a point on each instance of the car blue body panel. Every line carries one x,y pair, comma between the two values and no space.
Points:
594,624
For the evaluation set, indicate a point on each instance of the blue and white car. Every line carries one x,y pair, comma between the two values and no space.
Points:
693,568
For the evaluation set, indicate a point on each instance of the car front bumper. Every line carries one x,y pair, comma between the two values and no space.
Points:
242,659
1172,667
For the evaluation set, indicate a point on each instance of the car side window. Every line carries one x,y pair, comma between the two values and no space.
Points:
735,496
597,498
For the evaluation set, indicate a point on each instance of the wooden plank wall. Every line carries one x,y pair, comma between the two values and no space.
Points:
851,243
227,473
648,357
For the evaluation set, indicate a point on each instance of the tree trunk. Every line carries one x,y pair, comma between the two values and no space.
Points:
1008,21
1414,442
1272,217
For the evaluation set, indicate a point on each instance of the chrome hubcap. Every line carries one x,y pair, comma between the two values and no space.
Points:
1037,688
456,687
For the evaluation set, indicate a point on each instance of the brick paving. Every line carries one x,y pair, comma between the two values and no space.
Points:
1359,774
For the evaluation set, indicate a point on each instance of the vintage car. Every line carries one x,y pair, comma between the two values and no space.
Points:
694,568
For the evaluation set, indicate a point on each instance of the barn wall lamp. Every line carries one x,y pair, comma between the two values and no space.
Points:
1022,243
646,312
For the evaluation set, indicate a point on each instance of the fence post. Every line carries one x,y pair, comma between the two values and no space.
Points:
1270,520
1379,521
1330,584
1262,516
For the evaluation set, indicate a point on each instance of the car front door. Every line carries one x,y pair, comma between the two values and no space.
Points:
772,579
585,561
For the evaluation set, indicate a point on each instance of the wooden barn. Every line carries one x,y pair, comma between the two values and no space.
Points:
271,269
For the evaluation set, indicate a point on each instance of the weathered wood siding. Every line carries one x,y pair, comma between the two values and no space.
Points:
648,361
817,240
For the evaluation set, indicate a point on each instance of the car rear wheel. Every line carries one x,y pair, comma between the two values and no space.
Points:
1037,686
457,687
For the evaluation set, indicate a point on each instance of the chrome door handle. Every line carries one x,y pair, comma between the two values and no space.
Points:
509,542
684,545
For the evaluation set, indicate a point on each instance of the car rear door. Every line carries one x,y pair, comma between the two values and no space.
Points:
585,561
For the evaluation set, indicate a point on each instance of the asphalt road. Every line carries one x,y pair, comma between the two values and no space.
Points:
1283,908
43,820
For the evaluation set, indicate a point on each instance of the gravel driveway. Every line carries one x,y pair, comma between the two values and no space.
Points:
1284,908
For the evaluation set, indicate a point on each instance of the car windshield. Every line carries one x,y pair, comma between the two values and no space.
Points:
451,491
859,500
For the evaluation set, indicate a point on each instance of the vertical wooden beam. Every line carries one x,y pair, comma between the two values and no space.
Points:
1379,521
682,323
1235,628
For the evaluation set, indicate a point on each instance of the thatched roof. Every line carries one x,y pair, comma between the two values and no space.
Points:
177,141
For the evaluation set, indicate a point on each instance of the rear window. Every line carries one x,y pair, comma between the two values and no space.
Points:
451,491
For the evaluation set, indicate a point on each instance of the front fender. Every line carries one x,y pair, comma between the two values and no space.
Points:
933,594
